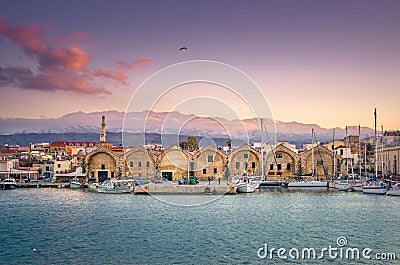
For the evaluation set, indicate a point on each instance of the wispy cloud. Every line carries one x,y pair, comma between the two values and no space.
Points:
60,68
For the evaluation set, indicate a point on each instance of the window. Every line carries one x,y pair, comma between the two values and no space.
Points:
271,166
58,165
204,171
103,166
210,158
253,164
246,155
215,170
131,163
112,174
341,152
288,166
147,164
139,164
279,166
246,164
278,155
237,165
92,174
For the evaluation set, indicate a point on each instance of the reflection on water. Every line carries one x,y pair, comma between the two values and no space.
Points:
77,227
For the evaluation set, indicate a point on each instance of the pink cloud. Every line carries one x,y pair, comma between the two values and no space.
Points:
141,63
68,58
117,75
26,36
50,80
65,69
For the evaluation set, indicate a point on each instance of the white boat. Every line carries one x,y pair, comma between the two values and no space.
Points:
114,187
379,189
394,191
246,186
357,187
308,184
75,184
343,186
8,183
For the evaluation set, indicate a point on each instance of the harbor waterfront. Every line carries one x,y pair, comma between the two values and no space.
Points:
64,226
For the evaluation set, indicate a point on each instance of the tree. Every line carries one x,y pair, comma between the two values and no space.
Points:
299,168
83,166
191,143
227,172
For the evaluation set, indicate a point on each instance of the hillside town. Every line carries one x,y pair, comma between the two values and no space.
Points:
62,161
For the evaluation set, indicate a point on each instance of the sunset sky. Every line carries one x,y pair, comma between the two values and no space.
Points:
324,62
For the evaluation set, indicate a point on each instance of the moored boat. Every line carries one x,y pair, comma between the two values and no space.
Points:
8,184
394,191
343,186
374,188
308,184
246,186
357,187
113,186
75,184
269,183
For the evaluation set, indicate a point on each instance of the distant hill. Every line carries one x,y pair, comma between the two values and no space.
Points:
81,126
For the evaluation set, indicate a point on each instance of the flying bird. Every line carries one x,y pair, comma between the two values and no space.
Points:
183,48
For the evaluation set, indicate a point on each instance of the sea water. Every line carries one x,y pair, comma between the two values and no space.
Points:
62,226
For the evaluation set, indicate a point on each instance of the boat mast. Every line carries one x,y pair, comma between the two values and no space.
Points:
376,149
312,152
359,150
365,158
333,151
347,155
382,150
262,151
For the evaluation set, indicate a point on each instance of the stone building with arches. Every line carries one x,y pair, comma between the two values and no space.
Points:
141,162
209,162
102,164
280,164
244,159
322,163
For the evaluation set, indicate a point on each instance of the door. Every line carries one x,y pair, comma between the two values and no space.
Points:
167,175
102,175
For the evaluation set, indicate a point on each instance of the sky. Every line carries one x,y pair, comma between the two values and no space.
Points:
324,62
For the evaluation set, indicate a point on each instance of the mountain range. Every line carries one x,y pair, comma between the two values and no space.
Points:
171,123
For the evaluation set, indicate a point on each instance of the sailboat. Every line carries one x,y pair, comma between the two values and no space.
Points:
357,186
264,182
312,183
373,186
395,191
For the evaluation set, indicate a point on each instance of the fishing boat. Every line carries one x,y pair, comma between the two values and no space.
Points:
114,187
394,191
8,184
245,185
75,184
